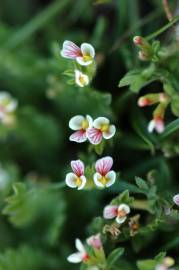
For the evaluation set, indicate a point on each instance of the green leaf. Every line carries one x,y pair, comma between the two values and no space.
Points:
114,256
175,105
146,265
170,129
160,256
141,183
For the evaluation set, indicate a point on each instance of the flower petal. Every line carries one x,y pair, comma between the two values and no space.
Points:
78,136
121,220
96,178
103,165
11,106
111,175
151,126
110,211
110,133
87,49
176,199
124,207
75,122
70,50
83,62
94,135
75,258
71,180
94,241
77,167
90,121
83,182
100,121
159,125
79,246
81,79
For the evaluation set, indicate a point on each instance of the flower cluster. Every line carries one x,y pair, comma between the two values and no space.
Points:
103,176
92,256
83,58
8,106
163,100
93,130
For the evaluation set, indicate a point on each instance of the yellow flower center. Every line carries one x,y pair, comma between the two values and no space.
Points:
86,57
78,181
85,124
121,213
105,128
104,180
82,80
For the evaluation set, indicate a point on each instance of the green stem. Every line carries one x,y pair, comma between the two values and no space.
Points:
141,205
57,186
163,29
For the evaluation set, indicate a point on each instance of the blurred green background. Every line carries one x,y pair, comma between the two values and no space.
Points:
40,225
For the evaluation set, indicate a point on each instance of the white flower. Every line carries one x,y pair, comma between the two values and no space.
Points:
7,105
101,129
119,212
80,124
81,255
176,199
83,55
77,178
81,79
104,176
157,124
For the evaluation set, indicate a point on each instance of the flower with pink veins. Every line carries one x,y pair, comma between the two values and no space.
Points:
80,124
81,255
104,176
83,55
118,212
176,199
101,129
95,241
77,178
157,123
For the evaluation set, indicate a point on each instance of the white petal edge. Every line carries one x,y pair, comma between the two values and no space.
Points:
111,175
75,122
108,135
96,178
121,220
88,49
83,183
124,207
70,180
79,246
75,258
98,122
90,121
85,77
151,126
81,61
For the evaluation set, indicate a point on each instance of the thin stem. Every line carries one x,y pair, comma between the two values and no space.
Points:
167,10
57,186
163,29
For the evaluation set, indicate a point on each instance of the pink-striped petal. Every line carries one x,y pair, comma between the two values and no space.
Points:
78,136
78,167
110,211
94,135
104,165
70,50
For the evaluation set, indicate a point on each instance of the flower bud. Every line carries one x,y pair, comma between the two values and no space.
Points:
138,40
94,241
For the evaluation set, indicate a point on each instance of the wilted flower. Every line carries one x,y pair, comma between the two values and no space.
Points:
81,255
94,241
176,199
80,124
119,212
101,129
166,264
77,178
156,123
134,225
7,105
83,55
104,176
81,79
